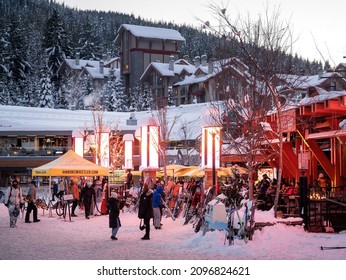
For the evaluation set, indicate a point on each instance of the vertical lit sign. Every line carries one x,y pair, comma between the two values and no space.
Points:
104,149
78,142
153,146
128,156
144,146
149,146
211,136
79,146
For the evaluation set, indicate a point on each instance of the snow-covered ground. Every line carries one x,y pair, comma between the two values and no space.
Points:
54,238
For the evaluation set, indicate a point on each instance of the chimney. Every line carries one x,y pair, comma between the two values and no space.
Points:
204,60
131,120
197,61
171,63
101,66
320,73
109,56
186,57
77,59
210,67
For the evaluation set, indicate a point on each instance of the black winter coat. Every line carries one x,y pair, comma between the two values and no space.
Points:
113,207
145,209
88,195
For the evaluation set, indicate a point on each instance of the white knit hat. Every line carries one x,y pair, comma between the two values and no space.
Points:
114,195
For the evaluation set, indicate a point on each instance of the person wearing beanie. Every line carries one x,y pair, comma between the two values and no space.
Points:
14,201
31,203
114,211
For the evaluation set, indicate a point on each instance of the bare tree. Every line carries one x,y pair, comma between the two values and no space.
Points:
166,125
116,150
188,146
262,44
94,133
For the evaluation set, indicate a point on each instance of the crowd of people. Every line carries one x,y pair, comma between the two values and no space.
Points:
265,190
91,197
151,199
87,195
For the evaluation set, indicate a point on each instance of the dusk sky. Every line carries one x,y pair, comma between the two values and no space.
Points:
318,25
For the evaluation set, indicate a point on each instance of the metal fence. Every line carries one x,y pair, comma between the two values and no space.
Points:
327,213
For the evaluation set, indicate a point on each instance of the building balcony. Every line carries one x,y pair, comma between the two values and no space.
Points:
20,151
198,91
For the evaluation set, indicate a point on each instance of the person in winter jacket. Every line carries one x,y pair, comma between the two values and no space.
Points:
55,189
87,198
98,197
14,201
31,203
74,190
129,179
145,209
114,220
157,204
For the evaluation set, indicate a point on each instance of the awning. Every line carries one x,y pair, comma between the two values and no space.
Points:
327,134
70,164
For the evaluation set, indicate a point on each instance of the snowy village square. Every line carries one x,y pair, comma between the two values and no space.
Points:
149,149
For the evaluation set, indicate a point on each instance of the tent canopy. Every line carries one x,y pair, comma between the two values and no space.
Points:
70,164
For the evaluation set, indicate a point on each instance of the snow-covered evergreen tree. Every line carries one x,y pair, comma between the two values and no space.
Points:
140,98
15,66
51,32
17,60
108,89
88,43
45,92
112,96
31,88
75,92
3,70
55,44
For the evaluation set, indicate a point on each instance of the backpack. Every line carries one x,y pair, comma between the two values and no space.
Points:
8,201
2,197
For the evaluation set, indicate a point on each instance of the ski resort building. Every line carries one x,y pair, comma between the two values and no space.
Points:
142,45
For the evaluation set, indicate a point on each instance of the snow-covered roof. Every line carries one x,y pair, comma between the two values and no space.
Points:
322,96
297,81
81,63
187,120
203,72
151,32
95,73
165,71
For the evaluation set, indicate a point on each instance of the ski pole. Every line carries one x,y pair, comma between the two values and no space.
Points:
332,248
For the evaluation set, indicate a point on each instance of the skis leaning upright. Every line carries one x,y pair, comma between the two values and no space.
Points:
167,209
247,222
